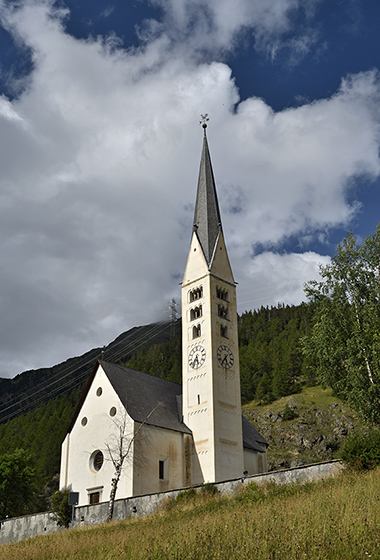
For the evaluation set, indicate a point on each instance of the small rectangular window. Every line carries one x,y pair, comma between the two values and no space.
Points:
161,470
94,498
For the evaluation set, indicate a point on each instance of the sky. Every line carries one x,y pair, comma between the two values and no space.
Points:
100,144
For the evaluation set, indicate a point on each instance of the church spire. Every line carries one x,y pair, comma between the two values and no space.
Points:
207,222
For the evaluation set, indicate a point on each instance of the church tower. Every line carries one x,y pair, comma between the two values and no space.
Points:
211,379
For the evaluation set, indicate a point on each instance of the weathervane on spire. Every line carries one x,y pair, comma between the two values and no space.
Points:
204,120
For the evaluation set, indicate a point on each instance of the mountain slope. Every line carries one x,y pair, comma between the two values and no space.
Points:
31,388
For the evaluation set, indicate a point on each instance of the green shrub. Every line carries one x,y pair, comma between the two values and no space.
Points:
186,496
209,489
361,450
60,507
288,414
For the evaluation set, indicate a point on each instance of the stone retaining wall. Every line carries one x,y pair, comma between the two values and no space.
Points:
20,528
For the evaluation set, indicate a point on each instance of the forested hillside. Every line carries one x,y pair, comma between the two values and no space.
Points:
271,365
271,361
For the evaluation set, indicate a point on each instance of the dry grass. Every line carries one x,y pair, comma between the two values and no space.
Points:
334,519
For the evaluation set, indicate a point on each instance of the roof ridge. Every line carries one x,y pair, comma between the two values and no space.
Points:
138,372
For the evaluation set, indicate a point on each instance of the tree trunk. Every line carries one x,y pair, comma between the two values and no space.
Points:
361,339
111,502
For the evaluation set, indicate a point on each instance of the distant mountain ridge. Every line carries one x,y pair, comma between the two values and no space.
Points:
29,389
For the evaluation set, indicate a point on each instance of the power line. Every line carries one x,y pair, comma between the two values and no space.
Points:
131,345
67,370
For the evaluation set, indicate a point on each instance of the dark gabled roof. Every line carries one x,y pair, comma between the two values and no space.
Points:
252,439
147,398
156,402
207,222
140,393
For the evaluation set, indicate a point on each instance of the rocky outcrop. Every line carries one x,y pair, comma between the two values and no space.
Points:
312,434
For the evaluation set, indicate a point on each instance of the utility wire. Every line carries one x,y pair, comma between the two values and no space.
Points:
69,370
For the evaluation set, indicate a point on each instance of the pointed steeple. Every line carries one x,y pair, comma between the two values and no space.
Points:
207,222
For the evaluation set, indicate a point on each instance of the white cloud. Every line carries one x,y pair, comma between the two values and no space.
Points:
99,158
272,278
218,24
107,12
297,47
7,111
292,170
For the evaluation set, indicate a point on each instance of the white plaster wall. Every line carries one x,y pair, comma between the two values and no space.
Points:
198,417
255,462
152,445
83,440
216,419
251,463
226,383
221,266
196,268
63,482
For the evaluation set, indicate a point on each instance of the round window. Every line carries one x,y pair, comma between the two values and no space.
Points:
113,411
84,421
99,391
96,461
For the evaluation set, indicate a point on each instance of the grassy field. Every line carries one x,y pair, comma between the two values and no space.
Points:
308,396
333,519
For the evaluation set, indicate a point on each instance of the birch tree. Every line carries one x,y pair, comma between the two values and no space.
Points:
119,450
344,342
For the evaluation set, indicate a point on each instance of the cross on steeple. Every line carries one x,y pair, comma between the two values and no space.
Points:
204,120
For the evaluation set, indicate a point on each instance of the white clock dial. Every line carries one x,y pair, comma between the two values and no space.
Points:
197,357
225,356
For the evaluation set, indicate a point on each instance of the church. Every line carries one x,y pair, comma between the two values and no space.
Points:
172,436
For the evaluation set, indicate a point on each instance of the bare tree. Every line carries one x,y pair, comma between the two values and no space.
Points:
119,450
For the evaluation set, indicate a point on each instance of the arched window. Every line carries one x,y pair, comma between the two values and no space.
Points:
222,311
221,293
197,293
196,313
196,331
224,331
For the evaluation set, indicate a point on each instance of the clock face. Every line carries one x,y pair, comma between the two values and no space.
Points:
225,356
197,357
